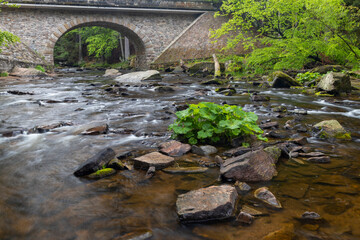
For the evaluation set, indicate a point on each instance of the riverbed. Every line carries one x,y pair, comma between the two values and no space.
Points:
40,198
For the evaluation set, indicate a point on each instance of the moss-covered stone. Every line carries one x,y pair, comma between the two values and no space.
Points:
116,164
274,152
335,83
279,79
323,94
331,129
102,173
213,82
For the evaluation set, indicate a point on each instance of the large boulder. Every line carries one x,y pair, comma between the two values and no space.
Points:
250,167
112,72
27,72
95,163
331,129
335,83
279,79
136,77
211,203
328,68
154,159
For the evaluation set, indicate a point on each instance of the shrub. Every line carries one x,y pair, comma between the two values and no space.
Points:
4,74
307,77
210,122
40,68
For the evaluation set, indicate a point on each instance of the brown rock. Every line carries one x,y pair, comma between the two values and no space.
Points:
156,159
267,197
236,151
103,129
244,217
174,148
322,159
285,233
269,125
299,141
312,154
215,202
249,167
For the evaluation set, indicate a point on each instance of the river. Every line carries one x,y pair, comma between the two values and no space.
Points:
40,198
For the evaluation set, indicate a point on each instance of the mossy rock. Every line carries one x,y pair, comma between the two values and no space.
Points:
331,129
323,94
213,82
279,79
274,152
116,164
4,74
328,68
102,173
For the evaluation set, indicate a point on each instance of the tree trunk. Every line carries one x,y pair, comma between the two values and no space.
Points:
217,67
80,48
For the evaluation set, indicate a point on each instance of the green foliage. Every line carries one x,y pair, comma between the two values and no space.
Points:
307,77
7,38
4,74
210,122
102,41
235,63
290,34
40,68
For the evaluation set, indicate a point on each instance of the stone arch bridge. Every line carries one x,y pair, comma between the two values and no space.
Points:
161,31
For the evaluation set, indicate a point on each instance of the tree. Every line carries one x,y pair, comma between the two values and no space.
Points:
290,34
6,37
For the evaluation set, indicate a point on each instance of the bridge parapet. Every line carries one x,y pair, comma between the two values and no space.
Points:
205,5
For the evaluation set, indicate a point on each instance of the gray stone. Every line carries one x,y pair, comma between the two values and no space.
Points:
242,187
328,68
310,215
244,217
102,129
274,152
185,169
112,72
321,159
312,154
156,159
204,150
116,164
174,148
249,167
95,163
330,129
269,125
137,77
259,98
211,203
163,89
150,172
267,197
282,80
236,151
335,83
251,211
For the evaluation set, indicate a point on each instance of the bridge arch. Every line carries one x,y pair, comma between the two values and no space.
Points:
143,46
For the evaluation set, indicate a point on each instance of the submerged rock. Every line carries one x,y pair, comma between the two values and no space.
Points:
249,167
321,159
185,169
331,129
282,80
156,159
285,233
335,83
137,77
251,211
242,187
95,163
267,197
259,98
138,235
162,89
211,203
174,148
245,217
102,173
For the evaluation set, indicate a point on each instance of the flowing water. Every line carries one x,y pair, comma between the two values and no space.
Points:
41,199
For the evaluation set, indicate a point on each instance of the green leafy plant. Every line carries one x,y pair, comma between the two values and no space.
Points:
4,74
307,77
210,122
40,68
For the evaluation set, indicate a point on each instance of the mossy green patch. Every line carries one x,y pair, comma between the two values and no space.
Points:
102,173
322,94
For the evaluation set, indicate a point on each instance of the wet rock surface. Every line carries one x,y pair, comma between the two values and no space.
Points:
174,148
335,83
205,204
203,150
267,197
156,159
137,77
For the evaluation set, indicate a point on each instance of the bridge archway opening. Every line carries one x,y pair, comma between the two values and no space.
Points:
130,48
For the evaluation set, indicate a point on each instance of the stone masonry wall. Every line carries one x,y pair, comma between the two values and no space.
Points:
40,29
196,43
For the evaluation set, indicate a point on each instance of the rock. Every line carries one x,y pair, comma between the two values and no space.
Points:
242,187
285,233
203,150
124,155
236,151
46,128
330,129
335,83
333,180
17,92
282,80
310,216
279,109
156,159
274,152
299,141
102,173
103,129
116,164
138,235
27,72
300,111
137,77
95,163
278,134
328,68
174,148
211,203
212,82
251,211
162,89
312,154
185,169
322,159
244,217
294,190
269,125
259,98
203,67
249,167
112,72
267,197
150,172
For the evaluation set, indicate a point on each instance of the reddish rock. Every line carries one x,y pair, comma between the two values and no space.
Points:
211,203
249,167
103,129
174,148
156,159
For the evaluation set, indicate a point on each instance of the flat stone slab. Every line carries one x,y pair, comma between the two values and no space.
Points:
211,203
174,148
156,159
185,169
